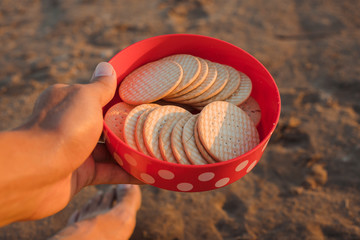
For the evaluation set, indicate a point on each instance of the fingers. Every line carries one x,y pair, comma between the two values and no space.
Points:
103,82
101,154
92,173
108,170
111,173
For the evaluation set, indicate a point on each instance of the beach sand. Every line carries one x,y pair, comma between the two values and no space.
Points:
307,184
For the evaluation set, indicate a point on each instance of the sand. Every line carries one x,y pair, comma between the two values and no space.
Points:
307,184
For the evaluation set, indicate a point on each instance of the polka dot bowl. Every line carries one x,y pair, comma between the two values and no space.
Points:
194,178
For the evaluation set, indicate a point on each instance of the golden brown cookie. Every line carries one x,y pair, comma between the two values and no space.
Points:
221,80
151,82
229,89
165,139
188,141
204,86
191,69
226,131
243,91
204,69
176,142
201,148
130,123
153,124
139,139
115,118
252,108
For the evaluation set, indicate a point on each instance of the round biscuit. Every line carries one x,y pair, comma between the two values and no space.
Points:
139,139
176,142
165,139
150,82
189,108
221,80
204,86
115,118
242,92
226,131
204,69
191,69
188,141
130,123
252,108
229,89
201,148
153,124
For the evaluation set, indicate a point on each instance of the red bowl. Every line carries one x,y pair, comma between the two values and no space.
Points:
194,178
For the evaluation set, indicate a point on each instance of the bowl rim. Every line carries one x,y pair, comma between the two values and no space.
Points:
265,139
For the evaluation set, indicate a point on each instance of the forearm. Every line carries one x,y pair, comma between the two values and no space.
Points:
47,160
23,159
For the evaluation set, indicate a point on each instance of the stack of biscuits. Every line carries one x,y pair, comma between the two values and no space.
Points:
225,127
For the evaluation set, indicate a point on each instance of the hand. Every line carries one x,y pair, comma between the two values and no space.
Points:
51,157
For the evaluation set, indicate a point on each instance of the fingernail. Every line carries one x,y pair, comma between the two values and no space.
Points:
103,69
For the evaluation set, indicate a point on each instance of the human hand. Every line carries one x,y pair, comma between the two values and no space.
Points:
56,152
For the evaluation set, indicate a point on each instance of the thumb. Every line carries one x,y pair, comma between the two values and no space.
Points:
103,82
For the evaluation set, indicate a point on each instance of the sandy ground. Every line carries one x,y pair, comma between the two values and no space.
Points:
307,184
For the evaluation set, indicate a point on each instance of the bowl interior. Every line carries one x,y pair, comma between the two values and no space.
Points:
264,91
264,88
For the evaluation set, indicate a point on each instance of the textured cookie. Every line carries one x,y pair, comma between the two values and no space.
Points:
189,108
176,142
130,123
115,118
165,139
153,124
151,82
204,86
229,89
188,141
191,69
204,69
226,131
139,131
252,108
243,91
201,148
221,80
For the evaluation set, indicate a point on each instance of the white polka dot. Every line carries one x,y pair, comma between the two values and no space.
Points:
166,174
118,159
185,187
251,166
265,145
222,182
204,177
241,166
130,159
147,178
